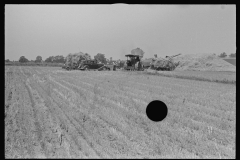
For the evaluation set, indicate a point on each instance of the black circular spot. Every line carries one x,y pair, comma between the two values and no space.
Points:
156,110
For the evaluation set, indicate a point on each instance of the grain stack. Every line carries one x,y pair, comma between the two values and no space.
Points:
73,59
203,62
167,63
163,64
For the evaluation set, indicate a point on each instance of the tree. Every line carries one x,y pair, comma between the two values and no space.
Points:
232,55
7,60
88,56
222,55
49,59
38,59
58,59
22,59
100,57
137,51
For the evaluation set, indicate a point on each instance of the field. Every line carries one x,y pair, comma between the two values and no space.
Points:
211,76
53,113
44,64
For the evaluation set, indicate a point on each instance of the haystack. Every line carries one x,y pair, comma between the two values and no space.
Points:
75,58
162,63
203,62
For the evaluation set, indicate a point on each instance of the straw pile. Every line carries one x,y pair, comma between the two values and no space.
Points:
203,62
163,63
75,58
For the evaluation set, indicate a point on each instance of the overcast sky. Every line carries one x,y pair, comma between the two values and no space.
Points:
114,30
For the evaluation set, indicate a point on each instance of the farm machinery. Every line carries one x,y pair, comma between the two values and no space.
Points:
86,65
133,63
147,63
164,64
92,65
120,64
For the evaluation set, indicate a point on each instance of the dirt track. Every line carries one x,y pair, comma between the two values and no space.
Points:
51,113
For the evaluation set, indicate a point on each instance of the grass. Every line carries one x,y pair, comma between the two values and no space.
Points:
210,76
44,64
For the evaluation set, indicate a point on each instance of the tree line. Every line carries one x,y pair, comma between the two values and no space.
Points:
223,54
99,56
61,59
51,59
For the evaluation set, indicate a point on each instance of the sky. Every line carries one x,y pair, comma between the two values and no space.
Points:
115,29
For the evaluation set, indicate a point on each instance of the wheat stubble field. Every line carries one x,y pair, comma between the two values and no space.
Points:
52,113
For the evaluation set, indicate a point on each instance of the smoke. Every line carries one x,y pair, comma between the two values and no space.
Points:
149,50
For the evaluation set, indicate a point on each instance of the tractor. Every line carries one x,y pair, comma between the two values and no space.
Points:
86,65
133,63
